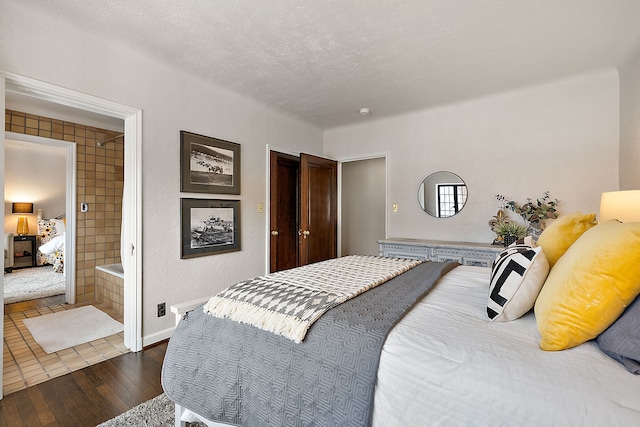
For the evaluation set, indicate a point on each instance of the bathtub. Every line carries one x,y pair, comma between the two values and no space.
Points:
109,286
114,269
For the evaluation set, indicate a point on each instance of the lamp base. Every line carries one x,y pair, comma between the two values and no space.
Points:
23,226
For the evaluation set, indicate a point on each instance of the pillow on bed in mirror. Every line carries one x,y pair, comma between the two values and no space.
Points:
561,233
517,275
590,286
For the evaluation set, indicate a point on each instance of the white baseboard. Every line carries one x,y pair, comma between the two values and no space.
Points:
157,337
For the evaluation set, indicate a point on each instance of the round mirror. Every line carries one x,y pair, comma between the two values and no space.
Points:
442,194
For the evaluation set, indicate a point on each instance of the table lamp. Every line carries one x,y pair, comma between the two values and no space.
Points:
621,205
22,209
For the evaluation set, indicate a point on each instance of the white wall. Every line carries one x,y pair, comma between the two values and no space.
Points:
34,173
171,100
562,137
630,122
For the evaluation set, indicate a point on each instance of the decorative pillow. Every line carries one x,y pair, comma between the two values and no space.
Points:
622,340
517,276
52,246
590,286
60,226
48,227
561,233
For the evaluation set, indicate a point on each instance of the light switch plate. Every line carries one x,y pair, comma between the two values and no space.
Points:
394,207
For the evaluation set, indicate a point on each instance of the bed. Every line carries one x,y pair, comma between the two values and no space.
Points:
446,363
51,234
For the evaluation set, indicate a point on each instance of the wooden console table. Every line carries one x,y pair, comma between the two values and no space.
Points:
466,253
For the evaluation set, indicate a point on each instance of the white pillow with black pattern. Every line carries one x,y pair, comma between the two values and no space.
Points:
517,276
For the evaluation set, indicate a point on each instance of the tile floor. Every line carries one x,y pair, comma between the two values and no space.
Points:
26,364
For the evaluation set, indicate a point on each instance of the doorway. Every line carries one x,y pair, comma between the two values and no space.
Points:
362,206
303,217
41,190
132,214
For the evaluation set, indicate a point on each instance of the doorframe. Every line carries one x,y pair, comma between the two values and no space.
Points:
2,132
378,155
70,203
132,197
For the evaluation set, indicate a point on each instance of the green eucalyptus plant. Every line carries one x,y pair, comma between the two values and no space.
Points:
532,211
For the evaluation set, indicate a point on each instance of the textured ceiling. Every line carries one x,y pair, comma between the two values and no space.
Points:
323,60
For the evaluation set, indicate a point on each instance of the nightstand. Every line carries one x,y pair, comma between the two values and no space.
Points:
22,245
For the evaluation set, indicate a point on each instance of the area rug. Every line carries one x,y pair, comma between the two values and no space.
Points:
32,283
64,329
157,412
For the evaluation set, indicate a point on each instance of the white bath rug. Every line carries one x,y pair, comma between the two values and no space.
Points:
32,283
57,331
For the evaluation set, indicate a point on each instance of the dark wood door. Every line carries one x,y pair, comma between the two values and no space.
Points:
303,210
318,209
284,210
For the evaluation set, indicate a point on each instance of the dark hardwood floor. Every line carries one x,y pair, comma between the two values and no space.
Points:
89,396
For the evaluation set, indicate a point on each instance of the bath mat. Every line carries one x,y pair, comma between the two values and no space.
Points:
57,331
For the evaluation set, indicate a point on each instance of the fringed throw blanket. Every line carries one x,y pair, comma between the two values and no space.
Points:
288,302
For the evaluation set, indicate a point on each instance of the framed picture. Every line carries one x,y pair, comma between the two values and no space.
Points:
208,165
209,227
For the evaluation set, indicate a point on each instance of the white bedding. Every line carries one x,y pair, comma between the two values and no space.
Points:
446,364
54,245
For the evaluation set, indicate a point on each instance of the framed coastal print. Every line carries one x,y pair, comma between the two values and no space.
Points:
208,165
209,227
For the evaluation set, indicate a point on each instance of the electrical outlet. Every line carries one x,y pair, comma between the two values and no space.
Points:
162,309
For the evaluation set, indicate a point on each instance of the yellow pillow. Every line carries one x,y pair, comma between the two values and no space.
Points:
590,286
561,233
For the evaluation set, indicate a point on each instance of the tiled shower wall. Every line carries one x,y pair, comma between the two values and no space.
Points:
100,182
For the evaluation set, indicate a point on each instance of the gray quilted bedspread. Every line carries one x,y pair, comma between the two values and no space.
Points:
238,374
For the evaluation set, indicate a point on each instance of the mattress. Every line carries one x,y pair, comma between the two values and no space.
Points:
445,363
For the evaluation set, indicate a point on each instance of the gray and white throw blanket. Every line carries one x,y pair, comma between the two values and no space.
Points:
236,373
288,302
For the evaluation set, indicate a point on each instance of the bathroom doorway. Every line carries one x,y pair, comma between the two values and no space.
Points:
132,226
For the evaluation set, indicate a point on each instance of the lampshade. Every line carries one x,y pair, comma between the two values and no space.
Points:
22,208
621,205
